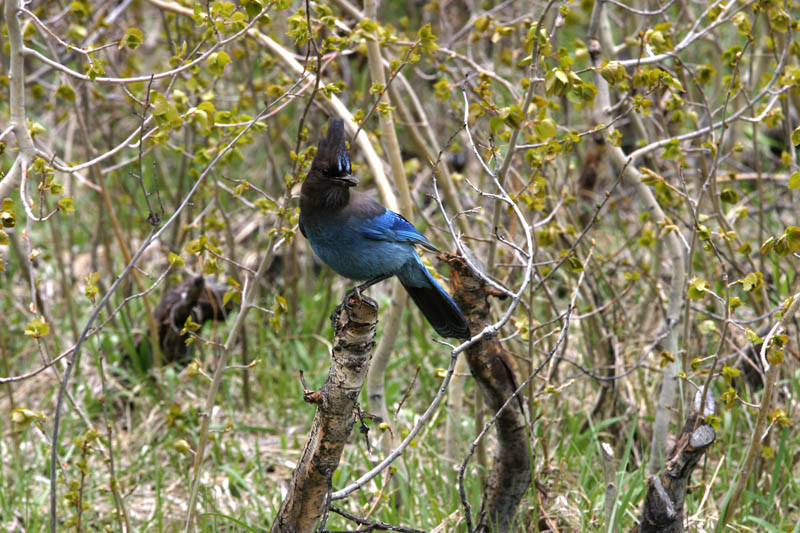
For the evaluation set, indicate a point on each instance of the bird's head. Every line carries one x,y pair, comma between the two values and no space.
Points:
332,161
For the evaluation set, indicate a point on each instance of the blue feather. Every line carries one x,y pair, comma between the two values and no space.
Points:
393,227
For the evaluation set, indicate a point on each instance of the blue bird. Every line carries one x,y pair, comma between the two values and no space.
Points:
362,240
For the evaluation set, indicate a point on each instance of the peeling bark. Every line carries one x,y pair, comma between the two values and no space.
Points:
354,327
491,366
195,297
663,504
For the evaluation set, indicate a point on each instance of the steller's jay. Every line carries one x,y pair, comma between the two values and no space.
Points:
362,240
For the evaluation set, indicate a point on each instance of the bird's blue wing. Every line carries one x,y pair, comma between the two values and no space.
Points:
391,226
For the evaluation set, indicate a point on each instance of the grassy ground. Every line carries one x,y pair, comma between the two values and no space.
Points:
255,447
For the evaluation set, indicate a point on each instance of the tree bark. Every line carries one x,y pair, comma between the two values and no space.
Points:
195,297
491,366
663,504
354,323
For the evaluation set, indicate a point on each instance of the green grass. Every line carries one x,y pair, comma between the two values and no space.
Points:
250,458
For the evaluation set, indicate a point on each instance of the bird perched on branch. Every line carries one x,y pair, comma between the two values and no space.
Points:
362,240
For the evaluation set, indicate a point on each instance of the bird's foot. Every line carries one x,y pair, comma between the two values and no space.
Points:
352,298
352,294
355,296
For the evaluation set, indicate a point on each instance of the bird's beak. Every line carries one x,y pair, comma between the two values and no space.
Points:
350,181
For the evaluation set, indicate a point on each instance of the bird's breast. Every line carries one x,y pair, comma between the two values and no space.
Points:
341,246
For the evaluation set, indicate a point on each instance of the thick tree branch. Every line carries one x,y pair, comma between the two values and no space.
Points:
666,493
491,366
354,328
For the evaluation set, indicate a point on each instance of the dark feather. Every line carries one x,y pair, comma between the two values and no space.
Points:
332,158
440,311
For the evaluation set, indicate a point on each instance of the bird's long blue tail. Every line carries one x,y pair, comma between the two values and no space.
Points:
438,307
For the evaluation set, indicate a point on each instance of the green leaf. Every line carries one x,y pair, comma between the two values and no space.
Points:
65,92
23,417
728,373
80,9
164,111
672,150
556,82
482,24
3,238
752,281
545,129
513,116
745,249
91,290
175,259
189,325
211,266
195,246
94,69
441,89
707,326
780,19
368,25
782,247
66,205
752,336
613,72
253,7
794,179
767,246
496,124
200,117
427,39
132,38
217,62
698,288
792,235
8,214
796,136
574,264
234,293
775,357
729,196
222,9
729,398
37,328
705,73
741,22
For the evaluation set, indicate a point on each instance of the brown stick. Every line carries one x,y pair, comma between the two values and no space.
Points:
354,327
663,504
490,365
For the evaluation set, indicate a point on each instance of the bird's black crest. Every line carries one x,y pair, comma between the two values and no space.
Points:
332,157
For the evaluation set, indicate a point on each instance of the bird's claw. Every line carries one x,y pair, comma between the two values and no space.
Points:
353,293
358,296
